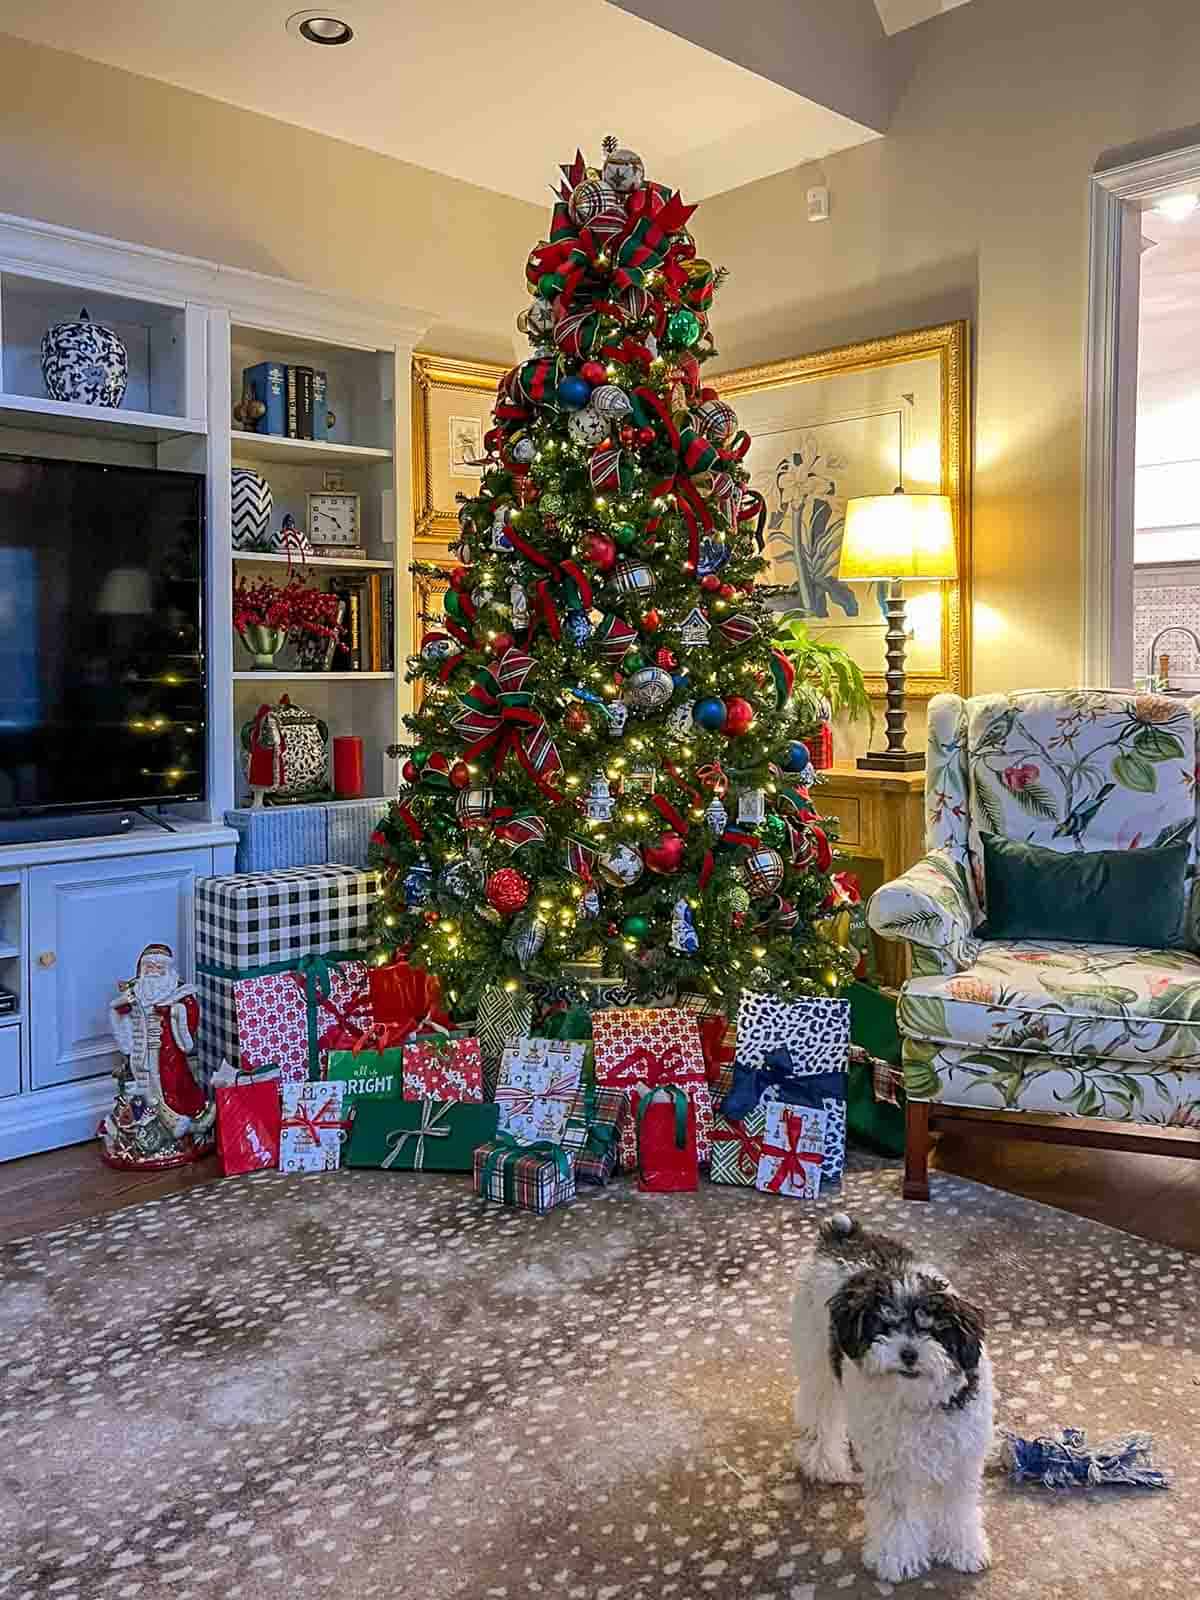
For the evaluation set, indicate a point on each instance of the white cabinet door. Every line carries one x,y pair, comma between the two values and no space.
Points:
88,923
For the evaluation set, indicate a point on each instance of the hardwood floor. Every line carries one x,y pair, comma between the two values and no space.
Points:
1157,1197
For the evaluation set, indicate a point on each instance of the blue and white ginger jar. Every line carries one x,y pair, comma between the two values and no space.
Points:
85,363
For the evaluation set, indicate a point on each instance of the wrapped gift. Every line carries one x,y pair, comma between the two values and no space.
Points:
644,1048
275,837
593,1131
666,1135
792,1151
248,1118
258,923
419,1135
816,1033
312,1128
714,1043
539,1079
736,1141
297,1017
373,1069
823,1091
406,998
350,824
532,1177
443,1067
502,1017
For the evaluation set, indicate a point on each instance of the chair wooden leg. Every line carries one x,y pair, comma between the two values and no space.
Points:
916,1151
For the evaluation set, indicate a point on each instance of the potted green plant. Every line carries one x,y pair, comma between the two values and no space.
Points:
829,682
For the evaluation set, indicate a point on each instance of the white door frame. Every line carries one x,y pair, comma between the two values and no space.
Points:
1110,404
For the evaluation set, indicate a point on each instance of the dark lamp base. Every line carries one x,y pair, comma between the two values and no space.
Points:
893,761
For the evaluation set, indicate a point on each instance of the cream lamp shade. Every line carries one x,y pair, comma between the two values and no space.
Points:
898,536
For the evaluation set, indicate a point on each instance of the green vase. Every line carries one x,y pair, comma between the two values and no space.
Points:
263,643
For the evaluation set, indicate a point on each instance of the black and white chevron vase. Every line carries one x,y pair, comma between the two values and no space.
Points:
251,506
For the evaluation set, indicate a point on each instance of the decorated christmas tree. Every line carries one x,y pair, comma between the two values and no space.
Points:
605,762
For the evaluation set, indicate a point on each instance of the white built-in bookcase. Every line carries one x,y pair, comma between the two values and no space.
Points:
190,328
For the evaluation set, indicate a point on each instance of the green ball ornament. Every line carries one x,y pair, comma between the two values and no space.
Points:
683,326
636,927
549,284
773,830
419,757
552,505
633,662
625,534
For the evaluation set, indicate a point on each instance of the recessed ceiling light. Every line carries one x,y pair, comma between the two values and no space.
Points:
316,27
1177,207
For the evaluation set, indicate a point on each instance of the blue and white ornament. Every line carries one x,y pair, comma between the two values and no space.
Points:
519,604
418,881
622,866
589,903
251,505
440,648
610,401
716,818
633,577
648,689
523,451
598,803
500,525
587,427
617,713
679,721
578,627
461,880
685,941
713,556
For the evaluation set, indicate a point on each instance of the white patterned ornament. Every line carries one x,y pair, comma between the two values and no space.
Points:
84,363
763,872
624,171
500,524
537,319
633,577
589,904
679,721
587,427
622,866
590,199
251,505
519,603
610,401
694,630
474,805
717,420
523,451
529,941
617,713
716,818
649,689
752,806
598,802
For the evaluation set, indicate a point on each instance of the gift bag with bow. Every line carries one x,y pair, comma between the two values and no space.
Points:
407,998
666,1136
443,1067
373,1069
248,1117
647,1047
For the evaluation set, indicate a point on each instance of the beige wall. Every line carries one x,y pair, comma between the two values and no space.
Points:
94,148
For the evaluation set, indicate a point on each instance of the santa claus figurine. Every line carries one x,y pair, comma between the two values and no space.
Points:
162,1116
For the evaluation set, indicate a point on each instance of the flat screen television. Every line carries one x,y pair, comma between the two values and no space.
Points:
102,702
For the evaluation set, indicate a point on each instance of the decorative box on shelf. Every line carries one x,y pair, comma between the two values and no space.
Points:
274,838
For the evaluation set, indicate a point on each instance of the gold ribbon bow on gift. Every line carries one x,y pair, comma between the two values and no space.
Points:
432,1118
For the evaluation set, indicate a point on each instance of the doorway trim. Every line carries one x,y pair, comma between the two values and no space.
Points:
1110,403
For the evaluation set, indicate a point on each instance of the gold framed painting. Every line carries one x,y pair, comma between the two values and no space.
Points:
854,421
429,591
451,413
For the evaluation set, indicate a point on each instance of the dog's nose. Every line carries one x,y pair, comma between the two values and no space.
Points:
908,1355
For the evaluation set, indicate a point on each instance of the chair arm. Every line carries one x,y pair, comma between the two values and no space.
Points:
929,907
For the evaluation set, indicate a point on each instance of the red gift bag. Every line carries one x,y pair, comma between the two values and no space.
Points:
407,998
666,1136
248,1119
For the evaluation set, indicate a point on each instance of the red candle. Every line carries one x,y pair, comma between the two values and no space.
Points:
348,766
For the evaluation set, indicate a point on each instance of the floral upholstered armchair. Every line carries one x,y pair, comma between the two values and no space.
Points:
1079,1030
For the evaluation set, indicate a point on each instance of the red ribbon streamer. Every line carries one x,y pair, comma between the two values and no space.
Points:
669,814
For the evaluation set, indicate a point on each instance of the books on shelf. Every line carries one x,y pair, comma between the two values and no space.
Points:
368,633
296,398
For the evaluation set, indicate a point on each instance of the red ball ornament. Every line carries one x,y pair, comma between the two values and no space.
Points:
688,568
593,372
577,720
739,715
598,547
627,435
650,620
507,891
727,591
666,856
410,772
710,583
501,643
612,930
666,659
460,775
645,436
430,918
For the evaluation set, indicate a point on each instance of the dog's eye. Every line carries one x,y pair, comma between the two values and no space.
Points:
923,1319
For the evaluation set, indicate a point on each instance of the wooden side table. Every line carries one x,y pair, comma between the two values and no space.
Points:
881,817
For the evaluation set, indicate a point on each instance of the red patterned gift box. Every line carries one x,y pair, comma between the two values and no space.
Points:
274,1024
443,1067
643,1047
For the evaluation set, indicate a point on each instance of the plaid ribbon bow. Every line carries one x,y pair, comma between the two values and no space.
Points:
500,718
433,1116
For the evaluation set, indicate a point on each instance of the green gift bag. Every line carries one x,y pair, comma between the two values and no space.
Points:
368,1074
419,1135
870,1121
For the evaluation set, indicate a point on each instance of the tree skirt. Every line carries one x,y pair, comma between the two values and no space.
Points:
365,1384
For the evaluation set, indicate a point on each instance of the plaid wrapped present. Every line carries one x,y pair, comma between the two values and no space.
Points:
647,1048
295,1018
792,1151
419,1135
539,1079
250,924
532,1177
312,1128
501,1018
816,1033
443,1066
736,1141
593,1131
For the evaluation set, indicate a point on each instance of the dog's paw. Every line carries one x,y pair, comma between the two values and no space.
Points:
821,1465
970,1557
895,1564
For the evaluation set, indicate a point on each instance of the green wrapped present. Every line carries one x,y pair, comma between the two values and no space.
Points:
368,1074
419,1135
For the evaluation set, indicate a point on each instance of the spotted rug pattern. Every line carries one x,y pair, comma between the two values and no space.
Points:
365,1384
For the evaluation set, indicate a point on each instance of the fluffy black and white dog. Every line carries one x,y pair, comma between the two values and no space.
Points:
891,1361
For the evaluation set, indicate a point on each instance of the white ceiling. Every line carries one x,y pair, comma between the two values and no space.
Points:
493,92
896,15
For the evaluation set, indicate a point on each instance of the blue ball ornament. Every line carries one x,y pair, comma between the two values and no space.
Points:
709,713
574,392
680,680
797,756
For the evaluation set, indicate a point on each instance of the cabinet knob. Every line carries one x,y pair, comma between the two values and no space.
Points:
47,958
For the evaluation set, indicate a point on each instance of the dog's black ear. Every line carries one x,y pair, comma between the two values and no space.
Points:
854,1320
959,1329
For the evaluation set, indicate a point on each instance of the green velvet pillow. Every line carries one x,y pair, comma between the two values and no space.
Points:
1132,897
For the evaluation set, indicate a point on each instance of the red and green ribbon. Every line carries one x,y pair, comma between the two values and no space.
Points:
500,718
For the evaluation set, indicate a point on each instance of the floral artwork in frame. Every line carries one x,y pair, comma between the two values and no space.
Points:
857,421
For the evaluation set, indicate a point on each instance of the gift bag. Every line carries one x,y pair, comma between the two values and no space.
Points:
531,1177
297,1017
666,1138
816,1033
372,1070
419,1135
792,1151
407,998
537,1086
248,1119
312,1128
443,1067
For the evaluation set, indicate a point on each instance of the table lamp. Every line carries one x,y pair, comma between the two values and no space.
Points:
897,537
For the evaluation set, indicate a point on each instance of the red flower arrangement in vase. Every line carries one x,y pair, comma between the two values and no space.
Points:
265,614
